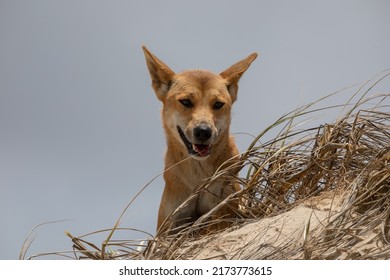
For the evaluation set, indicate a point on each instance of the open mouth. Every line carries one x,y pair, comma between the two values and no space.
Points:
200,150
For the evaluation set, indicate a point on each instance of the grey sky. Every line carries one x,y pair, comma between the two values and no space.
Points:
80,125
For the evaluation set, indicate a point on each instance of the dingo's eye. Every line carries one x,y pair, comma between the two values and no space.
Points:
218,105
186,103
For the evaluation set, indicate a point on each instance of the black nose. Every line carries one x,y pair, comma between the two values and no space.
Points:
202,133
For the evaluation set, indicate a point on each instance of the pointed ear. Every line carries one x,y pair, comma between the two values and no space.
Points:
233,74
160,73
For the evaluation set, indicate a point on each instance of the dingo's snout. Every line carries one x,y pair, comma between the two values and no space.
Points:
202,133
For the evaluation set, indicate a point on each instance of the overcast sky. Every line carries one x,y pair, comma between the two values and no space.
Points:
80,129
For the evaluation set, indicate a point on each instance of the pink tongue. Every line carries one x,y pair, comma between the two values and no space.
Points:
202,150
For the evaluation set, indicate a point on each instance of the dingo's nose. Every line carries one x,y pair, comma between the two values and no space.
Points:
202,133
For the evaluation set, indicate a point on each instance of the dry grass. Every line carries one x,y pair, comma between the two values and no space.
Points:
344,166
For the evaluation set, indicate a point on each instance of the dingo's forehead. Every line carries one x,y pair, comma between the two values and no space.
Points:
199,84
202,78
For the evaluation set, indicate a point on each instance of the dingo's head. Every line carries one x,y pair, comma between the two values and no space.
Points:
196,103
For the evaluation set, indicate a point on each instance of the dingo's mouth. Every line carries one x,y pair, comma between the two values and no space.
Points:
200,150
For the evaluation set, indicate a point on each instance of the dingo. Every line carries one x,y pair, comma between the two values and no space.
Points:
196,119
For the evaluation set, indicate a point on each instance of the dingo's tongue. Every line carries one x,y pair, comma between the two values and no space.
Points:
202,150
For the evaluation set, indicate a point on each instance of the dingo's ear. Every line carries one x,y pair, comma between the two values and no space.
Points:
160,73
233,74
